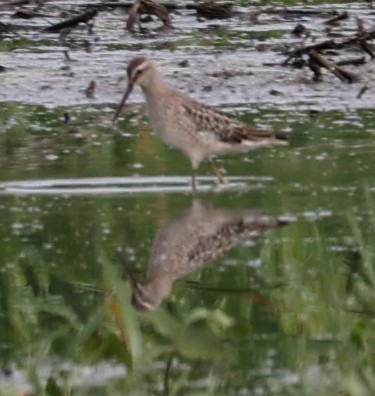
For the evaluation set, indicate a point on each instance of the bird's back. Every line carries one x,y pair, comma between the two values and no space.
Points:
201,130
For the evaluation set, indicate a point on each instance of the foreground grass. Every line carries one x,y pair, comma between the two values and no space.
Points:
311,332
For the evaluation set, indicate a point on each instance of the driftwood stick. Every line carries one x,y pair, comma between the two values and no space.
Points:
173,6
362,91
339,72
295,11
26,13
352,61
337,18
360,26
367,48
14,3
328,44
315,68
360,39
363,36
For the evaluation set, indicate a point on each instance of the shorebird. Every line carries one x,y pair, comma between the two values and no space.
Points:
198,130
187,243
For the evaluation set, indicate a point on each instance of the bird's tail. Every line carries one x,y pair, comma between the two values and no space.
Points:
281,136
261,137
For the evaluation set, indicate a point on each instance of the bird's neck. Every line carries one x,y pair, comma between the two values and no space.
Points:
158,289
155,86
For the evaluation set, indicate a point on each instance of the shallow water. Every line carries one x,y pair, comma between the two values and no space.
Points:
83,205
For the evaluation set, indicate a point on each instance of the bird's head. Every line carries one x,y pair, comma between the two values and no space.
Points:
140,71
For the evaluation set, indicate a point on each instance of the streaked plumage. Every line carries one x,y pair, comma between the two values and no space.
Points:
198,130
185,244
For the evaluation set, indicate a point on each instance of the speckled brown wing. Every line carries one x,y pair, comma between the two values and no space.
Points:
229,235
210,119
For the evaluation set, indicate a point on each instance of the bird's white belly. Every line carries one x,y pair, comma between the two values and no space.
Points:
169,130
177,131
168,133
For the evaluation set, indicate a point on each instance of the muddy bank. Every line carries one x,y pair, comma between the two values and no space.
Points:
236,61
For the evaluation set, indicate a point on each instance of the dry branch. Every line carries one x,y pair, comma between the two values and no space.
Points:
338,71
324,45
362,91
147,7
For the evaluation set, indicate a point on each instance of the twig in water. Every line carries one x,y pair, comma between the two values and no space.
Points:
362,91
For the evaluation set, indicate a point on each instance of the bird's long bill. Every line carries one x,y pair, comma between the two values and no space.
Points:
126,273
128,91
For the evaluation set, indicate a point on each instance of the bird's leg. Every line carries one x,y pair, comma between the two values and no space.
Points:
217,172
193,182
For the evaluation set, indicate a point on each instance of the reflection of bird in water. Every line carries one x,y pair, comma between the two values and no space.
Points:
185,244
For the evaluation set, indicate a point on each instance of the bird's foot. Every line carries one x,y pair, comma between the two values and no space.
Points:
219,174
193,184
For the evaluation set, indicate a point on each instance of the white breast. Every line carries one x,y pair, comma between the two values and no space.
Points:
170,122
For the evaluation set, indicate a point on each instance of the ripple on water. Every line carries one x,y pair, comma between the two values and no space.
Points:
128,185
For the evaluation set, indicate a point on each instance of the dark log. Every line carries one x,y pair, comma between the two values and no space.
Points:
353,61
25,13
6,28
364,36
340,17
6,4
73,22
211,10
296,11
367,48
